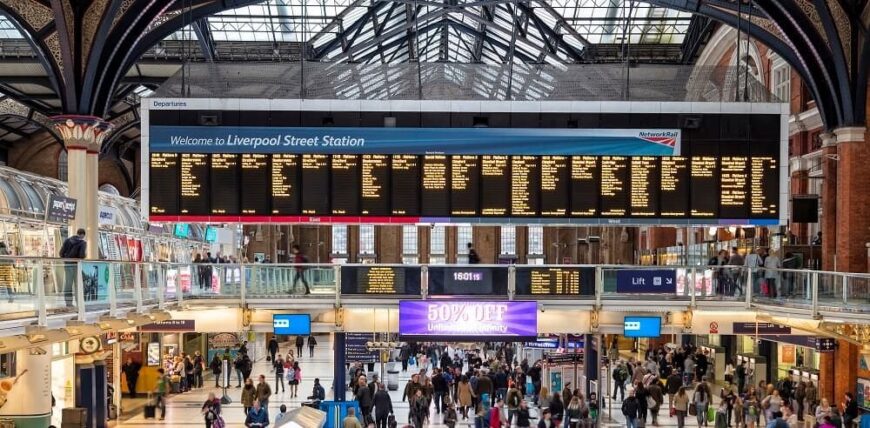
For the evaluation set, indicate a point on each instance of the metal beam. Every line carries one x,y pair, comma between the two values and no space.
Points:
206,40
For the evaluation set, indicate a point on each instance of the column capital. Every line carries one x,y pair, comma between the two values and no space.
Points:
82,132
850,134
829,139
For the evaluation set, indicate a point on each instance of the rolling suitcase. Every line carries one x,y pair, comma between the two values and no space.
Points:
150,411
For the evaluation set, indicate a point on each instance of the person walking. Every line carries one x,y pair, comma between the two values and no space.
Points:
257,416
264,391
473,258
272,347
383,406
464,395
680,404
198,367
278,366
701,400
312,342
211,410
216,367
300,342
630,410
131,374
620,375
295,379
161,389
249,396
300,260
365,399
654,391
74,247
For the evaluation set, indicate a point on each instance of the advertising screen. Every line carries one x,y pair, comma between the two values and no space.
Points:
479,319
643,327
291,324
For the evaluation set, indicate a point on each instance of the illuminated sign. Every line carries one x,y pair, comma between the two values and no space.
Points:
511,319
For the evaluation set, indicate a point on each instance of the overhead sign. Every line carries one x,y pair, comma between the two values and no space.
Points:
503,319
170,326
60,209
510,141
291,324
763,328
646,281
826,344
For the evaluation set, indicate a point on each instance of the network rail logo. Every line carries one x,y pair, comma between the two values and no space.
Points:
665,138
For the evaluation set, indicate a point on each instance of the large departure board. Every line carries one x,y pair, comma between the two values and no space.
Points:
435,187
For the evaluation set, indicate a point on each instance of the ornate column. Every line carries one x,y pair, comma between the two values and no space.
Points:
829,200
853,199
83,136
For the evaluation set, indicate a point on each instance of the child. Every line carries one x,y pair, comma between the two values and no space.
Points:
281,413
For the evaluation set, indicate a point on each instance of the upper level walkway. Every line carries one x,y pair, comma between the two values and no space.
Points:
49,292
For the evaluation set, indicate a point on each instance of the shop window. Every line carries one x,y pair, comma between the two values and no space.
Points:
367,239
409,244
437,245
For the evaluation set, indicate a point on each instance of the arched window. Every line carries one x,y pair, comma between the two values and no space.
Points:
62,165
111,189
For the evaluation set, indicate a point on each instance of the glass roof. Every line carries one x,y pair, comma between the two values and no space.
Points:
7,29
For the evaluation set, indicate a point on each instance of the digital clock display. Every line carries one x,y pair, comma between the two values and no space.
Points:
468,276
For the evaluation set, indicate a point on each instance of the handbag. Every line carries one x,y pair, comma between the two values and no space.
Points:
651,403
693,410
673,412
711,414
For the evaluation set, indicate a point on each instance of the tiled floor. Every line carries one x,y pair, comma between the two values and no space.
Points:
183,410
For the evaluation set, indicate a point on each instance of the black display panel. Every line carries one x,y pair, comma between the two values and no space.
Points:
194,177
495,183
435,185
674,187
315,184
555,281
764,185
254,173
464,185
525,186
555,186
467,280
224,180
164,181
704,197
614,186
375,185
585,182
380,280
644,186
734,187
404,185
286,189
345,182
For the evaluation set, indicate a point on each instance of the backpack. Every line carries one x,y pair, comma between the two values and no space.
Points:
291,374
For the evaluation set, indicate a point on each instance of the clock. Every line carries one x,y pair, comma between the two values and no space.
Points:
90,344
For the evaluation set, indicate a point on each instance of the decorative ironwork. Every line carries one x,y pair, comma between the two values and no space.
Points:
82,132
36,15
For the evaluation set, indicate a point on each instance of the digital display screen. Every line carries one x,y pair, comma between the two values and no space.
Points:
291,324
649,327
443,186
467,280
554,281
480,319
380,280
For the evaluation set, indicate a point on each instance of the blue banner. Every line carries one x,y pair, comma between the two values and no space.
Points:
491,141
646,281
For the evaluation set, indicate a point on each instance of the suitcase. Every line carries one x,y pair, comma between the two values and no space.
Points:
150,411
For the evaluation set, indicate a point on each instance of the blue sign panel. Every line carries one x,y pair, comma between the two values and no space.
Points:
182,230
291,324
642,327
492,141
646,281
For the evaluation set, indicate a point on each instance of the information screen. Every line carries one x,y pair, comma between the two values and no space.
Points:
419,188
380,280
467,280
554,281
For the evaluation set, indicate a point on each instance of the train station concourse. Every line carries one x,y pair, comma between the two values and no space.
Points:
434,213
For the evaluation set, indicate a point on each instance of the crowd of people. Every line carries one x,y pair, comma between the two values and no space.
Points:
682,376
767,280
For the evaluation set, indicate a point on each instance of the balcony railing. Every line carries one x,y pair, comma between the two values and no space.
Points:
40,288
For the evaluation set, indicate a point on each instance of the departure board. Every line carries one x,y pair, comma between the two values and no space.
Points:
380,280
585,182
315,184
674,187
435,186
254,173
404,185
495,182
554,281
375,185
764,187
465,185
614,186
734,187
644,186
194,183
224,175
555,186
704,195
525,186
285,184
164,182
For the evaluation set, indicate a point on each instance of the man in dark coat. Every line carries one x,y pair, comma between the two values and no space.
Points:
383,406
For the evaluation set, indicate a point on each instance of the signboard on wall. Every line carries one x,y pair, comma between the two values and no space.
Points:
662,281
169,326
60,209
497,319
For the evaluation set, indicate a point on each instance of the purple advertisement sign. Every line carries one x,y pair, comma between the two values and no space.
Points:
468,318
